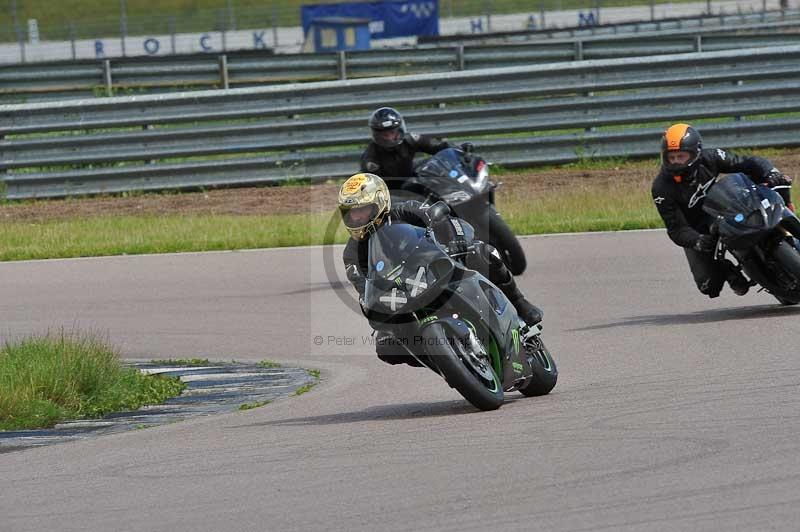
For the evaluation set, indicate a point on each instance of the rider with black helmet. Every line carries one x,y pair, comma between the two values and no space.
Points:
687,171
390,153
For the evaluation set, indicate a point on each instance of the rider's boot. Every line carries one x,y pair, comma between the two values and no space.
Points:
529,313
738,282
488,260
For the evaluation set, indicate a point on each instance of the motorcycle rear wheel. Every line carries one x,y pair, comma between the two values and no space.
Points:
503,238
451,357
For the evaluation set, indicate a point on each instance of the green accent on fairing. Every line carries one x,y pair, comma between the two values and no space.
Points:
428,319
394,270
494,352
398,282
515,338
517,367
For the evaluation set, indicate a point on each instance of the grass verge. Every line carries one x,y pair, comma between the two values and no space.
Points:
134,235
582,207
48,379
257,404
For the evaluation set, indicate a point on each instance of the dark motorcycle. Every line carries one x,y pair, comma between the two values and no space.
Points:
461,180
452,319
754,224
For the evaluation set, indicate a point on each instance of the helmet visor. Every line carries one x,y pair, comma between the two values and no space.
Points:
679,161
388,138
358,217
679,157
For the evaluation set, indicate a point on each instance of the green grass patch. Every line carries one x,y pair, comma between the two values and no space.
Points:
257,404
129,235
48,379
579,208
269,364
303,389
307,387
193,362
590,207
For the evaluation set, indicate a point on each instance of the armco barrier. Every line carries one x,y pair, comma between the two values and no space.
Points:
556,113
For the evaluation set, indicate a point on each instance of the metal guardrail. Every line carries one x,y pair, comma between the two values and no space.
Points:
315,130
50,81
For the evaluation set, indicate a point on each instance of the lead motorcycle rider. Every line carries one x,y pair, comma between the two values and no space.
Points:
365,204
687,172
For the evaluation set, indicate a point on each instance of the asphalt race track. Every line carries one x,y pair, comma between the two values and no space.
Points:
672,411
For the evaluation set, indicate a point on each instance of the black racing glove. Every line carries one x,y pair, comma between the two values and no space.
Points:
437,212
777,179
705,243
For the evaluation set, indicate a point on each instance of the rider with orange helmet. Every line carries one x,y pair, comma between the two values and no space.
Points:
687,170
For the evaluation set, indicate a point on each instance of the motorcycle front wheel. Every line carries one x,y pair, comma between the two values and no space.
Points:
788,257
545,372
469,372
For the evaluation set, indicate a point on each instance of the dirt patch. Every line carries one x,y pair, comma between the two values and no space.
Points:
321,197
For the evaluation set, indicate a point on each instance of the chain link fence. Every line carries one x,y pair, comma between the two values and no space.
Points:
31,22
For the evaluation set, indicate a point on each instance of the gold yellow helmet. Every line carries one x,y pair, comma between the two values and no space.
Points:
363,203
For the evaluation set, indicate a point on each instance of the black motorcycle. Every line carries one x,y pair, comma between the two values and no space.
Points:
461,180
755,226
452,319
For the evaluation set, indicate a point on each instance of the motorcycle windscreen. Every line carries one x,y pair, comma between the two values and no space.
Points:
446,163
743,210
735,194
390,246
404,266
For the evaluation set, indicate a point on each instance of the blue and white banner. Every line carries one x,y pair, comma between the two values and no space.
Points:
389,19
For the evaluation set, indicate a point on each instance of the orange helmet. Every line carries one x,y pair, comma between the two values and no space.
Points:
681,137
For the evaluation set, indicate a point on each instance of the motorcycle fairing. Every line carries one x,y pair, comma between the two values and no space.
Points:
452,294
744,211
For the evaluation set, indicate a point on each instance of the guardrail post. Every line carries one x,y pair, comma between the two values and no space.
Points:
460,62
578,55
171,29
107,77
341,65
3,176
148,127
72,37
738,83
223,71
698,43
